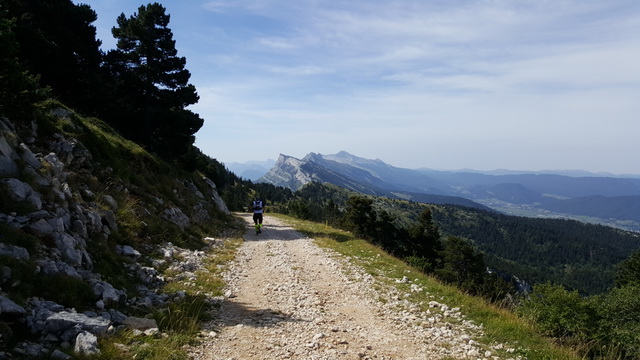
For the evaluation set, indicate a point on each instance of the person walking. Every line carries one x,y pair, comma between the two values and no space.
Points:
258,206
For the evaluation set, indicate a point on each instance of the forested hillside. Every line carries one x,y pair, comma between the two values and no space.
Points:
577,255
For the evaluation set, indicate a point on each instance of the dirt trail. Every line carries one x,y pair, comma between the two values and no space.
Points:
289,299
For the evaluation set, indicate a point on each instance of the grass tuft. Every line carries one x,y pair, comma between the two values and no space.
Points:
180,322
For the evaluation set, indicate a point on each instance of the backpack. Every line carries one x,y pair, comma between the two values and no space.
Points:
257,205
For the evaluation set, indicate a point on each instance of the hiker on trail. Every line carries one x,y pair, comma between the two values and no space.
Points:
258,209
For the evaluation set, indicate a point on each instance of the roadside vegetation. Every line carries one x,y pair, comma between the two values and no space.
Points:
180,324
551,322
500,325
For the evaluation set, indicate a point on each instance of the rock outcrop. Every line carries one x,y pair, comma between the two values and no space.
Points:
60,211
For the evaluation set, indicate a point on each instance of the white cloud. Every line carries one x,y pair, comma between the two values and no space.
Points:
296,70
216,6
277,43
447,84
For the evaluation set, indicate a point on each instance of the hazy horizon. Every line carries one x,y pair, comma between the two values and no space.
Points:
271,162
446,85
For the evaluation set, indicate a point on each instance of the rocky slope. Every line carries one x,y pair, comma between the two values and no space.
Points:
86,222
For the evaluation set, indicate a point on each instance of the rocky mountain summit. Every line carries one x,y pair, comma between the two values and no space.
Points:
372,177
71,268
602,199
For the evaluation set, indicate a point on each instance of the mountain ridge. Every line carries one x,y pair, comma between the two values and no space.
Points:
611,200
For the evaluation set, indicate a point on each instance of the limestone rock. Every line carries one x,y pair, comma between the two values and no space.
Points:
128,251
51,267
41,228
216,197
110,201
141,324
86,344
59,355
109,295
64,320
8,156
13,251
176,216
28,157
8,307
21,191
56,165
109,219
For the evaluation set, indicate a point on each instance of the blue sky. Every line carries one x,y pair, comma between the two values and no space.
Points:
444,84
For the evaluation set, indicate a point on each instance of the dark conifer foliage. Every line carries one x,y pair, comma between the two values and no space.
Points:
360,216
580,256
58,43
628,271
18,88
153,83
426,237
462,265
141,88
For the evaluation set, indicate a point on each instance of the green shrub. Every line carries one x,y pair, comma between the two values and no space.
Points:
7,337
20,285
619,324
420,263
628,271
557,312
109,264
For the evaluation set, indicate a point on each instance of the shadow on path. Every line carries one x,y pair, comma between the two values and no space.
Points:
270,231
234,313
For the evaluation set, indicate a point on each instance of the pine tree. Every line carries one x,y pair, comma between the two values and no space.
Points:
461,264
628,271
360,216
154,85
426,237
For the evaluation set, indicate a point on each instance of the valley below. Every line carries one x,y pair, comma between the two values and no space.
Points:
534,211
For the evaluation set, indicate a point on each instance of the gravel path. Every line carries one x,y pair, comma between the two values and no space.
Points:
289,299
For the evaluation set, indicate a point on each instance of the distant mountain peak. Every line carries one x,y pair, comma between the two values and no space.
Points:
373,177
345,155
347,158
282,159
312,157
287,172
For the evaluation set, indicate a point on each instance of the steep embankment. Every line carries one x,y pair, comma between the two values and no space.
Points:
289,299
85,221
